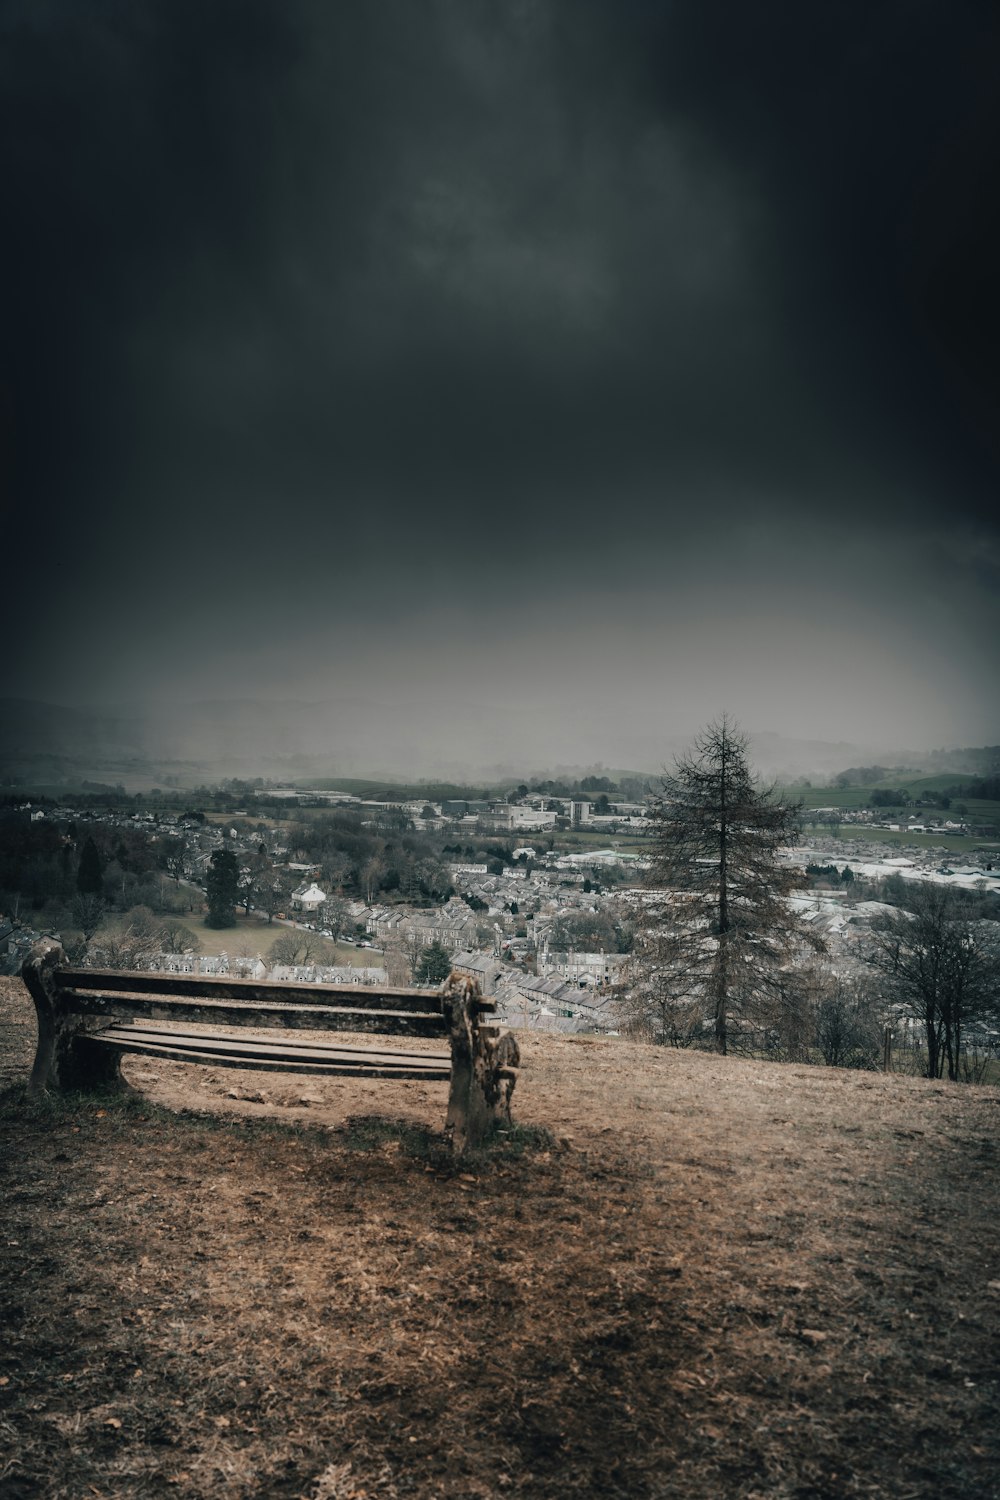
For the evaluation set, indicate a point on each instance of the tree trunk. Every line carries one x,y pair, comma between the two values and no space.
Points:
721,999
722,966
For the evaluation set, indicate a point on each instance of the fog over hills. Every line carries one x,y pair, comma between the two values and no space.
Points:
143,745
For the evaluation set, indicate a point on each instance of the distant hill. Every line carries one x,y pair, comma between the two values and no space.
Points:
484,743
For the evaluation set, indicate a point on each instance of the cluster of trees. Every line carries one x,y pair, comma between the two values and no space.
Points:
972,905
985,787
900,797
939,966
866,775
830,875
371,862
883,797
49,866
722,954
125,940
587,788
297,945
592,931
378,862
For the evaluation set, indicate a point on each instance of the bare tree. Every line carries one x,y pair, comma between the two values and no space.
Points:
297,946
336,868
130,944
335,914
174,854
654,1000
273,892
434,878
371,874
401,955
179,939
848,1025
247,884
588,931
88,913
939,968
398,962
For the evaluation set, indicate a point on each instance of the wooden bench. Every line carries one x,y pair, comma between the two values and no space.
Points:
88,1018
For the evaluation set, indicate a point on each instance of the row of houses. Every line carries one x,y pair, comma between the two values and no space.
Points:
549,1003
452,925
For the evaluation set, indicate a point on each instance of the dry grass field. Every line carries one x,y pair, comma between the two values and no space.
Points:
679,1276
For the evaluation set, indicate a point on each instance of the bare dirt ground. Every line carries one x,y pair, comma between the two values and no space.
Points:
681,1276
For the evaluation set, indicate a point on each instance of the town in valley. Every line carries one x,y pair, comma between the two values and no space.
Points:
537,891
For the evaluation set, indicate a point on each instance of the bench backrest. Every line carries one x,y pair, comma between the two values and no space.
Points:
387,1010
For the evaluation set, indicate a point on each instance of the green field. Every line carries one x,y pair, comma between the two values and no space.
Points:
253,935
858,833
852,798
391,791
578,840
848,798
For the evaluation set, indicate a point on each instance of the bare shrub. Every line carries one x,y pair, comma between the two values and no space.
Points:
129,944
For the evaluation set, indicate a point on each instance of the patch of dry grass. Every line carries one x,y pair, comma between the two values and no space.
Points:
712,1277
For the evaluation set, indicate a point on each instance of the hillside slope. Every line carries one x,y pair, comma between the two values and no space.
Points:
717,1278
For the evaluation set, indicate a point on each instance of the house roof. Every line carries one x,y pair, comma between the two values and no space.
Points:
309,893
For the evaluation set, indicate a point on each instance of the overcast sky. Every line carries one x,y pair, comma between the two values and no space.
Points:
614,360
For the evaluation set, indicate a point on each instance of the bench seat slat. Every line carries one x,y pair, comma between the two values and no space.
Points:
220,1059
278,1018
262,992
201,1041
150,1030
125,1036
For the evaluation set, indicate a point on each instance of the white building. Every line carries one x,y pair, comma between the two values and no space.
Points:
308,898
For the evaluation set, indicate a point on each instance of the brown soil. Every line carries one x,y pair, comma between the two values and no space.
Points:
712,1278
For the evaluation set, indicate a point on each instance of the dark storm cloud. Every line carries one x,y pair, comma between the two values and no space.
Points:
385,236
318,315
873,131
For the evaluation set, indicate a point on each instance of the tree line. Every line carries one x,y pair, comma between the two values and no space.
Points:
723,958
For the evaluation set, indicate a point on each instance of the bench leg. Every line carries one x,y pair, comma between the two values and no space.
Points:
482,1079
470,1115
64,1060
87,1067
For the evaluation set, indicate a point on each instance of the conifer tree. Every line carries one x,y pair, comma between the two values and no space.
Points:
434,964
90,872
721,930
222,889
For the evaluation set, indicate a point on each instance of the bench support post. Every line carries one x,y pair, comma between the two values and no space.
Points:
63,1061
481,1081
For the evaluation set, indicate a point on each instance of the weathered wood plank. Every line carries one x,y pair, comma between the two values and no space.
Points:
200,1041
236,1013
261,992
269,1065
